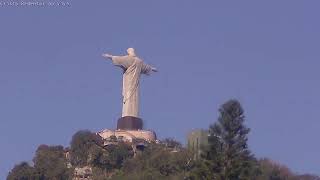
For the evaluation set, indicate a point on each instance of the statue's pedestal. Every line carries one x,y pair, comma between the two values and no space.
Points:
127,135
129,123
129,129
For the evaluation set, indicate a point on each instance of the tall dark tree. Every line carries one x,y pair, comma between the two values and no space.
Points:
228,155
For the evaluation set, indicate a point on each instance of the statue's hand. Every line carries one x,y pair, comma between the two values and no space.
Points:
108,56
154,69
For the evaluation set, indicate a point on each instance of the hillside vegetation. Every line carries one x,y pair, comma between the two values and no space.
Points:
226,157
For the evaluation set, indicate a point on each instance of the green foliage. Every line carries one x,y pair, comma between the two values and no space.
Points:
110,158
81,145
51,163
273,171
228,154
23,171
156,162
200,169
227,157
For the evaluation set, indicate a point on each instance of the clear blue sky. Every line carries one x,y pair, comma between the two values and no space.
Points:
53,80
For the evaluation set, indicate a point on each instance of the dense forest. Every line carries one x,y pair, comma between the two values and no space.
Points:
226,157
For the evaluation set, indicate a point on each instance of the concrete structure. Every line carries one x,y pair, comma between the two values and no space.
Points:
129,123
197,139
132,67
129,126
126,135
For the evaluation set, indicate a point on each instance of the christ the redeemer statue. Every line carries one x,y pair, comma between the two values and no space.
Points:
132,67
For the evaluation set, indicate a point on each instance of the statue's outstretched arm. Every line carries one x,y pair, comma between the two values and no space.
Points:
107,56
154,69
147,69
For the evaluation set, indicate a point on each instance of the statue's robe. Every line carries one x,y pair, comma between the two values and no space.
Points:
132,67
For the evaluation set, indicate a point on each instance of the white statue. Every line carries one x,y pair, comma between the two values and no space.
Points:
132,67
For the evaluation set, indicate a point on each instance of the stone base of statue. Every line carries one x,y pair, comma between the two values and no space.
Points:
129,123
129,129
126,136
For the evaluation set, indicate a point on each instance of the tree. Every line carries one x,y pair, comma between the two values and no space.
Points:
111,157
156,162
81,144
23,171
228,155
50,162
271,170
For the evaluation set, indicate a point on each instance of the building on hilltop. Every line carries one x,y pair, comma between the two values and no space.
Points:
197,140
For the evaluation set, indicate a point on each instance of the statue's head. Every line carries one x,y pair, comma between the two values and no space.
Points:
131,52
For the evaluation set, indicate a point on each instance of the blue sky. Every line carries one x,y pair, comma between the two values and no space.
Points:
53,80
